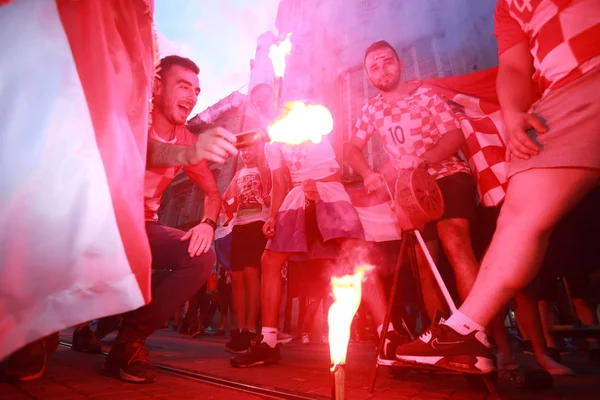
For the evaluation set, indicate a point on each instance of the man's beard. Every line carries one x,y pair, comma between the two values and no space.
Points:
388,86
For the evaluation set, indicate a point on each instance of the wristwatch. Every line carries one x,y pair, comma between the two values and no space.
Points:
210,222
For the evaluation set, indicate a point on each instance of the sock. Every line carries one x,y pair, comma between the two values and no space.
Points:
387,341
463,324
269,335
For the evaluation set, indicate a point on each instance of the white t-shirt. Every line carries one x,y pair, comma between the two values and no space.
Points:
304,161
250,193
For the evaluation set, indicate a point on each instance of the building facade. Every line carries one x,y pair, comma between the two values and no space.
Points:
435,38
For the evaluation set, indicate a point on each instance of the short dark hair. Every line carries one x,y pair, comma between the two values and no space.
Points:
169,61
382,44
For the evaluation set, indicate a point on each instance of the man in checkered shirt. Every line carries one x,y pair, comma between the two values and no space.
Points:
418,128
553,148
187,255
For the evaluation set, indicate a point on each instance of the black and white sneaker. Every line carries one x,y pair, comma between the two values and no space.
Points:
240,341
443,347
393,339
129,361
85,341
259,354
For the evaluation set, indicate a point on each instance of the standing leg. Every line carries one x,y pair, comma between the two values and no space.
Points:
252,279
267,351
536,200
238,282
529,318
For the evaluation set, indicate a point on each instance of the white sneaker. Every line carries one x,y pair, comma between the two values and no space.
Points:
283,338
553,367
305,338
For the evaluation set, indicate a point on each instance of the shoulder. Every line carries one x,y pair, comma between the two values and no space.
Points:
426,93
371,104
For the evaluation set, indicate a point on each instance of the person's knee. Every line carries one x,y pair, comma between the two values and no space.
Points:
269,263
203,266
516,217
454,234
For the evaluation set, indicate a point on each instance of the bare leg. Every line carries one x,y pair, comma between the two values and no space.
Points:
252,279
547,318
456,240
535,201
239,297
529,317
587,317
271,262
434,300
374,297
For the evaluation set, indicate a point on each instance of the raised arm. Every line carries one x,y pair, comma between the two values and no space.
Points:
213,145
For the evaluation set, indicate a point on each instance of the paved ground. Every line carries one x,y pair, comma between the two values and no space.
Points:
74,376
304,369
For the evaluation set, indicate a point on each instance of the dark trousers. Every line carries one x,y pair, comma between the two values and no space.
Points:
185,276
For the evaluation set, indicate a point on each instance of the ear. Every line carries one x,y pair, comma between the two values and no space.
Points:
157,87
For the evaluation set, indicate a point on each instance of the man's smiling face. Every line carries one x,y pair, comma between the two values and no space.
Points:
177,94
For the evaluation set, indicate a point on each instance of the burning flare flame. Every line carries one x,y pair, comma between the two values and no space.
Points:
300,122
277,54
347,291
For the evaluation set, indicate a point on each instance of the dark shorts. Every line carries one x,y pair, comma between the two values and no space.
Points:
459,192
247,245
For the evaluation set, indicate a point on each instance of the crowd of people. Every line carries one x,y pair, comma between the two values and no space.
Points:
287,209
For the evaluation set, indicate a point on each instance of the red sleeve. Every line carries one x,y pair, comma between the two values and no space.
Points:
508,31
199,173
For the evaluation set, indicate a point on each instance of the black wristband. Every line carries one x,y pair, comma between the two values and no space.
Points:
210,222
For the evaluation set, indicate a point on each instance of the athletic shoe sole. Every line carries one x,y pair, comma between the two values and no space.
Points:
254,364
468,364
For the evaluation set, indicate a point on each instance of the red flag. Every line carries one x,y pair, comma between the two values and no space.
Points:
478,112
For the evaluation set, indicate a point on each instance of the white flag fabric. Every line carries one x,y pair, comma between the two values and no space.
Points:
75,83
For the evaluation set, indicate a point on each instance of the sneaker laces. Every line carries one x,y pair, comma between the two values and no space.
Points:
426,336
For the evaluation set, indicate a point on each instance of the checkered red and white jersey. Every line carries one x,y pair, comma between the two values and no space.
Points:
157,180
563,36
411,126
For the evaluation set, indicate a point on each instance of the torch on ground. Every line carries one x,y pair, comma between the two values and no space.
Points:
347,292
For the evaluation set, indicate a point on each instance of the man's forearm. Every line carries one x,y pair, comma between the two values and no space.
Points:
212,205
166,155
448,145
357,161
514,90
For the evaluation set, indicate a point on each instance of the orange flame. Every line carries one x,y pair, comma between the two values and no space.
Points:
278,52
300,122
347,291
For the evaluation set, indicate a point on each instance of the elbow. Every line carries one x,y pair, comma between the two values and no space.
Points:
349,150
